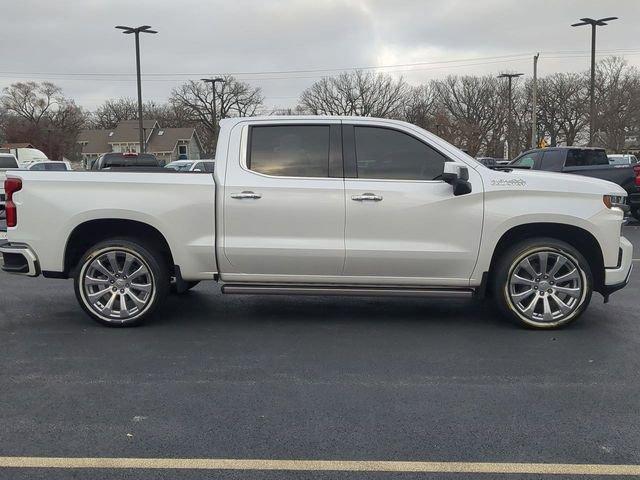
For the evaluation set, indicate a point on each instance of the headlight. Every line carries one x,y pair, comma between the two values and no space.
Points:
616,201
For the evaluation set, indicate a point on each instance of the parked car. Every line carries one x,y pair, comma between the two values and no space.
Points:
26,155
590,162
192,165
315,205
50,166
622,159
7,162
126,160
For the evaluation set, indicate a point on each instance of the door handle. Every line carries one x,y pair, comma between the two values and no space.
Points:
246,194
371,197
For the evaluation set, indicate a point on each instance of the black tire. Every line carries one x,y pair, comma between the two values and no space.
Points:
186,287
541,288
635,213
145,258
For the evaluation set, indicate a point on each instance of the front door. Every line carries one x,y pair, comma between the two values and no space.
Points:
404,225
284,209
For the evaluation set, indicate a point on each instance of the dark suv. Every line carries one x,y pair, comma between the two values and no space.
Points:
590,162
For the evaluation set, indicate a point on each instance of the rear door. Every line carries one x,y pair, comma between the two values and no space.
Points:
284,209
404,225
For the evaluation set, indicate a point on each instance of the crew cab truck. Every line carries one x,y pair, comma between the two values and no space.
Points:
588,161
323,206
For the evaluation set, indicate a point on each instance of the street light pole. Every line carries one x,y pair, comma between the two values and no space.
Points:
592,98
137,31
214,122
510,77
534,107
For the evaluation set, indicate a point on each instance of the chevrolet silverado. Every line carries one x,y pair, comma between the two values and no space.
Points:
323,206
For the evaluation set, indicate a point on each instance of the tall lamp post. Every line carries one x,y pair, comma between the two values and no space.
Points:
510,77
137,31
592,100
213,82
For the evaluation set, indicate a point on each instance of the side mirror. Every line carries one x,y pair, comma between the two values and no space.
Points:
457,175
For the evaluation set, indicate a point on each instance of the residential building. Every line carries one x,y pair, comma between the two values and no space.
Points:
167,144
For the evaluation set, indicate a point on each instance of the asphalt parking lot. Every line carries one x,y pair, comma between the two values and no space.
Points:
257,377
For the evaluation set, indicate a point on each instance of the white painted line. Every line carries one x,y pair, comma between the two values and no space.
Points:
320,465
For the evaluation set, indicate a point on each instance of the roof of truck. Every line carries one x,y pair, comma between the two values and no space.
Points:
304,118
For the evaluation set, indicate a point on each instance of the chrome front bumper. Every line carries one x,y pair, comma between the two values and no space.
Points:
19,259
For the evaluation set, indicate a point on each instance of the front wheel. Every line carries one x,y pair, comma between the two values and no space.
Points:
543,283
120,282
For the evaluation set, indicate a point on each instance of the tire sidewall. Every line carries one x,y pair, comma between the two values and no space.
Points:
151,260
524,249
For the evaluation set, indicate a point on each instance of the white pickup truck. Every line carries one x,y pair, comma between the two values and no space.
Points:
323,206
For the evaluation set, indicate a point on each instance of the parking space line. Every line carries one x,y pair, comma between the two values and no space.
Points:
319,465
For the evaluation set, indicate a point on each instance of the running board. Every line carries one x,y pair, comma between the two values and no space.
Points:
354,291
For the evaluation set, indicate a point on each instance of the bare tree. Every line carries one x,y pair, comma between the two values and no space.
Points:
31,100
562,107
233,99
114,111
617,90
359,93
420,106
39,113
474,107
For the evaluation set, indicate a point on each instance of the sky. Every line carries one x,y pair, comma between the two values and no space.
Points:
283,46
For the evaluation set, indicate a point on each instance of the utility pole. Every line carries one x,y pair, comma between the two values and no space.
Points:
592,100
214,121
534,107
510,77
137,31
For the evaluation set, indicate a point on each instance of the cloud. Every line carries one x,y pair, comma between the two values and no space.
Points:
207,37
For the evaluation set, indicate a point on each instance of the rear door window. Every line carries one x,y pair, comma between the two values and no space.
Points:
289,150
577,157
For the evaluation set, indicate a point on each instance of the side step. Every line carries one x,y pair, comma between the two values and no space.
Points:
362,291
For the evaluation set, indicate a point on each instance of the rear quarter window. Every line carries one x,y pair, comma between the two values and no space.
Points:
586,158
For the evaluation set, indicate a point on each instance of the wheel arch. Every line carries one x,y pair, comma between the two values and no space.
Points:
579,238
90,232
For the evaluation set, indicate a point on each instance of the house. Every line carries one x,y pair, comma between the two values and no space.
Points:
167,144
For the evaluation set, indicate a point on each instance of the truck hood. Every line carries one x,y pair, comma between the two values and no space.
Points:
537,180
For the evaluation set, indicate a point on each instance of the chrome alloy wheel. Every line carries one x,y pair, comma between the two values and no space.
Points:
546,286
117,284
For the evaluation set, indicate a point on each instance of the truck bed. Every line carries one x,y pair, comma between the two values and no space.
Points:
51,205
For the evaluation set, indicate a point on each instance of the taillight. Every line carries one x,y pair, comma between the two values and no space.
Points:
636,170
11,186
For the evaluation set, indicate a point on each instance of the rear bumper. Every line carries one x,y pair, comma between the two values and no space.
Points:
19,259
618,277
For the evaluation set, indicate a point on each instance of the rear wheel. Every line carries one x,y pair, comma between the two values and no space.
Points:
635,213
120,282
543,283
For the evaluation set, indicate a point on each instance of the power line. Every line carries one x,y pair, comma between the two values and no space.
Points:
293,74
